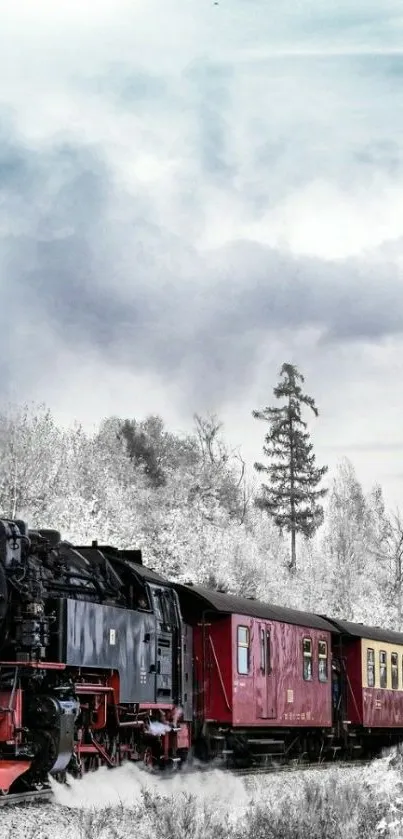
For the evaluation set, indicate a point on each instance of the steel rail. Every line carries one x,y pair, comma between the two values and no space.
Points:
21,798
299,767
18,798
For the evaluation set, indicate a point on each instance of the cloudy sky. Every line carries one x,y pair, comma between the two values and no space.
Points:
193,193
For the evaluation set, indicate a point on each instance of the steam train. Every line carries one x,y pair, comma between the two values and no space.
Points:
102,660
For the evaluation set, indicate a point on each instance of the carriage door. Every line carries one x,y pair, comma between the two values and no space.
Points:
264,676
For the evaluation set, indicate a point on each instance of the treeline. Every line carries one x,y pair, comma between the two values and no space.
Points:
188,502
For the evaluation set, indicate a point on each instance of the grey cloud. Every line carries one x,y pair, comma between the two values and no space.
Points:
210,86
204,83
385,155
353,20
146,301
129,85
93,266
348,299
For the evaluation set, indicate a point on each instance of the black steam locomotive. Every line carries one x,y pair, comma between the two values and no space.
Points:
93,660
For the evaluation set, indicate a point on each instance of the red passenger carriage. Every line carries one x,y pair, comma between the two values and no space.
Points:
372,676
262,676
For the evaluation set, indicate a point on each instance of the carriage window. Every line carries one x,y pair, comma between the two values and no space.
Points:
243,650
268,651
307,655
322,661
395,671
262,651
383,669
371,668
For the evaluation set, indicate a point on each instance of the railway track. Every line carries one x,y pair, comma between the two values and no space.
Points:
299,767
24,798
20,798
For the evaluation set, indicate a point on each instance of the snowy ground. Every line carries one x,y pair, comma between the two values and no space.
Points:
349,803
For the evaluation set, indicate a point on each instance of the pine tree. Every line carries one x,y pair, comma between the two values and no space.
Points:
292,494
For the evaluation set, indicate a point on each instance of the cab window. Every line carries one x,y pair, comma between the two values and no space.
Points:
243,650
322,661
307,659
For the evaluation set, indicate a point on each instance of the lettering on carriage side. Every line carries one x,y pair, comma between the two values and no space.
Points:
290,697
292,716
112,637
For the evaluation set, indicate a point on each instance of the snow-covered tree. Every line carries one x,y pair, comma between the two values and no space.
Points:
387,559
344,540
32,462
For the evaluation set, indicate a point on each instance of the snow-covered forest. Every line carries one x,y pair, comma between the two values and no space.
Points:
188,502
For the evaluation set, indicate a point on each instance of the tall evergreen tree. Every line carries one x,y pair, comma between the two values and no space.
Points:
291,496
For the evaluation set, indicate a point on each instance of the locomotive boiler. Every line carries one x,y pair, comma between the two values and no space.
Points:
93,667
